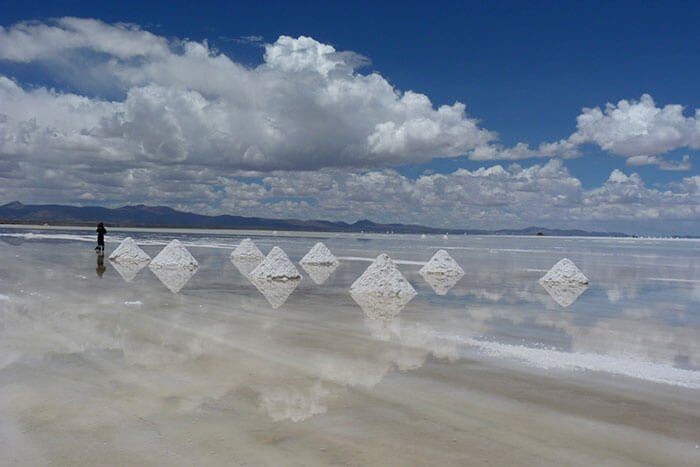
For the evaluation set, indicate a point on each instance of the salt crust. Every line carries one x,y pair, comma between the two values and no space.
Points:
129,252
442,263
564,272
247,250
174,256
319,255
276,266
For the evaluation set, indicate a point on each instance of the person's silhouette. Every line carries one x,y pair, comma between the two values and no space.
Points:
100,269
101,231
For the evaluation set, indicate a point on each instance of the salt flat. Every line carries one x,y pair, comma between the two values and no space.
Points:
98,370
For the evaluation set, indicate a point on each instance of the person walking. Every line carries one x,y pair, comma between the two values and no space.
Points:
101,231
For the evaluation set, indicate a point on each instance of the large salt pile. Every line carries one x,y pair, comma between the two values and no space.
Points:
174,256
276,266
247,250
129,252
319,255
564,272
565,294
381,290
442,272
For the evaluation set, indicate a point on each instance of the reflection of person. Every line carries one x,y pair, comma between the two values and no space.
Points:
100,269
101,231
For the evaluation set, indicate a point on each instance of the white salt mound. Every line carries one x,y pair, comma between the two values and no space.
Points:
564,272
247,250
382,278
276,266
129,252
319,255
442,263
174,256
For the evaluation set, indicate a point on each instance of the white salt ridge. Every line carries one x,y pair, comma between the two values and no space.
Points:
276,266
174,256
319,255
442,263
564,272
247,250
383,278
129,252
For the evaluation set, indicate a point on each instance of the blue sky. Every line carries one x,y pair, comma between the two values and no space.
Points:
525,71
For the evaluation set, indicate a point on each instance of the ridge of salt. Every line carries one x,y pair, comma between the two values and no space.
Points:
564,272
383,278
129,252
247,250
276,266
442,263
319,255
174,256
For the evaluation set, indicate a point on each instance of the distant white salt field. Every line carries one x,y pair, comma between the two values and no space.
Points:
197,362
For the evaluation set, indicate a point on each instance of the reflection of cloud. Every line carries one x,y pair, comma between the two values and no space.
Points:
295,404
565,293
319,273
128,271
275,291
245,265
174,278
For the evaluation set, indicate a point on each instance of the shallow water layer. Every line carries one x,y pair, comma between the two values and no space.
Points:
105,366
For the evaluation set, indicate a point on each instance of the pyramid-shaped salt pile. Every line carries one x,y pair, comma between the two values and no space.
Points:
319,255
381,290
276,266
564,272
129,252
442,272
247,250
174,256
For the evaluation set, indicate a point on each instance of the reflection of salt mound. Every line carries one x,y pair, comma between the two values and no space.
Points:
173,278
564,293
129,252
174,256
442,272
275,291
382,291
247,250
276,266
319,255
128,270
246,265
565,271
319,273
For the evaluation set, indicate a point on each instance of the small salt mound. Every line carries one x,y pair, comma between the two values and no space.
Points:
174,256
384,279
565,271
276,266
319,255
247,250
442,263
129,252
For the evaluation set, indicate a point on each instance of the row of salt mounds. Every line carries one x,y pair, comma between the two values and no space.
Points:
564,282
276,277
382,291
319,263
174,266
128,259
442,272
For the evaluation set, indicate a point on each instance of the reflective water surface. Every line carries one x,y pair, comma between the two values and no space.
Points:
124,367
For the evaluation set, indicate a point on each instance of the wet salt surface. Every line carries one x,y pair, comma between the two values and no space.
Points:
103,371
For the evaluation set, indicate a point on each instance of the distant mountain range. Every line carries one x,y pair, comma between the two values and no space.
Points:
161,216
